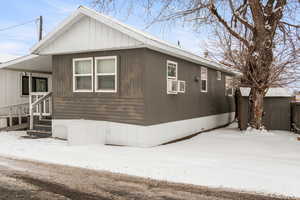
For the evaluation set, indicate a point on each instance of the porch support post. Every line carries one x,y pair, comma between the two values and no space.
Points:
10,117
30,103
20,114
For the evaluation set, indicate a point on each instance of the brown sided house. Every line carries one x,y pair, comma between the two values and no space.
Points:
113,84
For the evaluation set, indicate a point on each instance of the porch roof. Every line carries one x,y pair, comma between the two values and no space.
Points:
30,63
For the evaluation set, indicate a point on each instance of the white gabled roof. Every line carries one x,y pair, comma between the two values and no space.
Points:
146,39
272,92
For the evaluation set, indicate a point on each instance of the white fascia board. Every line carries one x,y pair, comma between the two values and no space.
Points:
17,60
92,50
187,56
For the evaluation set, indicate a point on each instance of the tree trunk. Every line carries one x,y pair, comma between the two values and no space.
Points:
256,102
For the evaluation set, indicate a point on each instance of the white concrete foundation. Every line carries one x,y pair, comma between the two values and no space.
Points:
83,132
3,122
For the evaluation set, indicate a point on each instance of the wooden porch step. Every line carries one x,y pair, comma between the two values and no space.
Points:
43,121
43,127
39,133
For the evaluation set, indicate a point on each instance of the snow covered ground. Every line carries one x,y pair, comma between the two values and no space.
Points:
267,163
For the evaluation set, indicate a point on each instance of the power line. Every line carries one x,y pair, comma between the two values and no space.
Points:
15,26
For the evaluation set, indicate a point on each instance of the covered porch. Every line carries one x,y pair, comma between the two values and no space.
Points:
28,89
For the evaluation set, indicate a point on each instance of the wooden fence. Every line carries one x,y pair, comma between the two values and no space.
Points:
295,116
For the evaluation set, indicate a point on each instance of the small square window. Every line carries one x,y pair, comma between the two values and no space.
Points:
106,82
83,83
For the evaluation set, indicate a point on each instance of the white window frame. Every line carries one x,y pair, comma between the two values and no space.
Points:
171,77
204,79
83,75
219,75
106,74
232,89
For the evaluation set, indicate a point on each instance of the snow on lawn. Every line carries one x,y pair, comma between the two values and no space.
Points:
267,163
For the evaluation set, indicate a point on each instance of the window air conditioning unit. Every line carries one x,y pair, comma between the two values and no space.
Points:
181,86
172,87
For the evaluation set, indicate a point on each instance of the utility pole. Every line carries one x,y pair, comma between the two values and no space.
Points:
40,28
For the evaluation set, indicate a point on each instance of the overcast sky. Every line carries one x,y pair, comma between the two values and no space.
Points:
17,41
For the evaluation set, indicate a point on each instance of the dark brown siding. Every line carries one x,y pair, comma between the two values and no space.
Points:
277,113
161,107
127,105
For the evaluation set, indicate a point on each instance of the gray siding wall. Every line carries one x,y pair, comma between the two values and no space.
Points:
162,107
277,113
127,105
142,91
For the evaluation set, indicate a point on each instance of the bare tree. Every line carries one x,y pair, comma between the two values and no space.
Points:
260,37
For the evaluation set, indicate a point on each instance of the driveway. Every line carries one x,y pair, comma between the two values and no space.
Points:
31,180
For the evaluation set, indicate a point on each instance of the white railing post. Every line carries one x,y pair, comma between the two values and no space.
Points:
44,106
20,114
30,112
50,105
10,117
40,110
30,102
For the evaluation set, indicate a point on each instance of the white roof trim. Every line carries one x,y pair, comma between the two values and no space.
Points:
147,39
17,60
272,92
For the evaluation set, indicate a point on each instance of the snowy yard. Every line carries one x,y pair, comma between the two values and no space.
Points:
267,163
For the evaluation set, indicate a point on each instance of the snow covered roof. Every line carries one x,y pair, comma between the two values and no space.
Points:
272,92
143,39
29,63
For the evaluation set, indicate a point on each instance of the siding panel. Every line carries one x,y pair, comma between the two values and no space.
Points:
89,34
127,105
161,107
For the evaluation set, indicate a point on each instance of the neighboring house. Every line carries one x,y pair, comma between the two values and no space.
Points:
14,85
113,84
277,109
